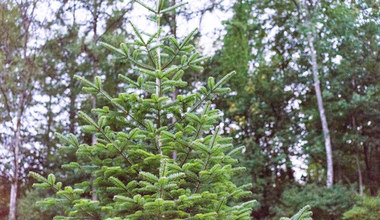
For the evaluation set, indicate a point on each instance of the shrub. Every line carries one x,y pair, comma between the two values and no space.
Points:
366,208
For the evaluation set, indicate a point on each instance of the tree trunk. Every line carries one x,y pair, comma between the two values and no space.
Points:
357,155
13,201
93,98
93,141
14,189
369,169
326,132
16,150
359,175
72,109
317,87
173,31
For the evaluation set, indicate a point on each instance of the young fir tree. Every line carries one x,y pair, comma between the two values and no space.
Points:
135,175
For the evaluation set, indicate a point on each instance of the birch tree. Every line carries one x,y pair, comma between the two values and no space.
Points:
17,76
318,93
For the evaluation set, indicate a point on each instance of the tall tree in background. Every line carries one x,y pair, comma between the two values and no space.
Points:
346,68
19,68
351,68
83,56
261,114
318,93
271,70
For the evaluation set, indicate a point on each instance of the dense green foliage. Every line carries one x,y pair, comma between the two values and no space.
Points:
134,174
366,208
302,214
326,203
29,209
275,108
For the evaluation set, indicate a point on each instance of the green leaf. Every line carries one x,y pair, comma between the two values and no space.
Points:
151,38
41,185
236,151
211,82
178,75
98,82
193,57
137,32
113,49
187,39
119,198
201,146
128,80
124,48
160,5
136,53
168,72
86,82
303,214
173,7
38,177
193,117
87,118
147,72
214,136
51,179
116,182
200,59
62,138
89,129
148,176
222,90
225,79
145,6
183,60
175,176
132,184
174,41
196,67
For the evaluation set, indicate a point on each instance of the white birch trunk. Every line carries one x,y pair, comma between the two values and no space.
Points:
318,93
16,144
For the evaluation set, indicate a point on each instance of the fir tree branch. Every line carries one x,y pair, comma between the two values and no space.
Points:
190,148
111,142
118,183
150,55
71,200
179,49
104,93
145,44
213,141
220,205
140,64
195,107
172,59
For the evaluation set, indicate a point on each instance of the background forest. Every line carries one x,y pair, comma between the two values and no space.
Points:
305,101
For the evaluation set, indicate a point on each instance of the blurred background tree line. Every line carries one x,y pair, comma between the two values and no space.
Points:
277,49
